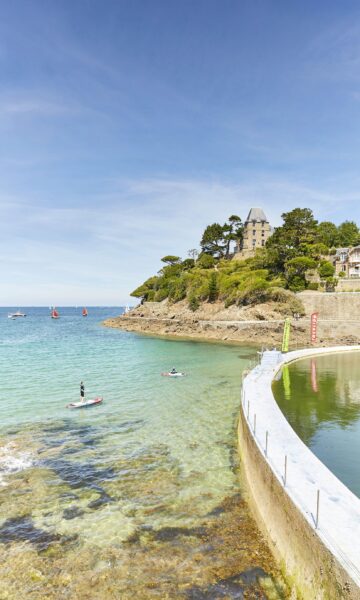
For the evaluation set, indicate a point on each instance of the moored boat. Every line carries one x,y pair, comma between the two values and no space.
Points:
16,315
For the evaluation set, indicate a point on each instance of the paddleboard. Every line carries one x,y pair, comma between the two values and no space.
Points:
173,374
84,404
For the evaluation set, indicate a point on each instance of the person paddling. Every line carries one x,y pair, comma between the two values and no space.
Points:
82,392
173,371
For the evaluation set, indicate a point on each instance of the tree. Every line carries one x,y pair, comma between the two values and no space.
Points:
296,269
348,234
292,239
170,259
216,238
212,241
233,231
326,269
188,263
205,261
328,234
213,288
193,253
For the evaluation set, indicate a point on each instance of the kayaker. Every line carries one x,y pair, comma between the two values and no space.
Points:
173,371
82,392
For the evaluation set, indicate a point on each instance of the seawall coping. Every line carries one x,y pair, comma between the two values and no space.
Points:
339,509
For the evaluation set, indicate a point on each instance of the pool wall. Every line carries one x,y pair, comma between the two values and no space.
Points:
310,518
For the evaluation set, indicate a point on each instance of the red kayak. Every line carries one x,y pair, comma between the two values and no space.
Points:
85,404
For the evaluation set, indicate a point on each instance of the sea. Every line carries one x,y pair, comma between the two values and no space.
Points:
139,497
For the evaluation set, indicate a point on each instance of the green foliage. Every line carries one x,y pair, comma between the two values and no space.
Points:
327,234
213,288
331,283
194,302
143,291
313,285
170,259
212,241
206,261
217,238
348,234
297,283
188,263
326,269
342,274
292,238
296,269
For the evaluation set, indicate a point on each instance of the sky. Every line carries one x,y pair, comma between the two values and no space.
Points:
127,127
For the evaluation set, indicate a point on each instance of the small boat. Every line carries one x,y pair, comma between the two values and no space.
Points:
55,314
84,312
16,315
85,404
177,374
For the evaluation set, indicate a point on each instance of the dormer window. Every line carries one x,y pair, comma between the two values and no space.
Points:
254,223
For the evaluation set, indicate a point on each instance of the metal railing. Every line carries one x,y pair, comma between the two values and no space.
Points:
312,514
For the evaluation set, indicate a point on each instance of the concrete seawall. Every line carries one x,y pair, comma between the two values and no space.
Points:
317,543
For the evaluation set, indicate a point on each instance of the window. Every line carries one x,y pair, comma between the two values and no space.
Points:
254,242
343,268
254,223
262,223
263,233
254,231
263,242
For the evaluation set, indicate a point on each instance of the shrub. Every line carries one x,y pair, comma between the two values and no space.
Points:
297,283
326,269
194,302
177,290
342,274
213,288
205,261
313,285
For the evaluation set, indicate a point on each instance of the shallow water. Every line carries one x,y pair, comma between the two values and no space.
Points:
320,397
137,497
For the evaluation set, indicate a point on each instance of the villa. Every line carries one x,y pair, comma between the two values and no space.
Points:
347,261
257,230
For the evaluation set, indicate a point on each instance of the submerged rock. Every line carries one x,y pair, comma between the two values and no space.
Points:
72,513
22,529
166,534
77,474
232,587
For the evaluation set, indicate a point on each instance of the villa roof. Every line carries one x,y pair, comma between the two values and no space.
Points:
256,214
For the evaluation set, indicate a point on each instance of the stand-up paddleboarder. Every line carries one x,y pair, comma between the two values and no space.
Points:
82,392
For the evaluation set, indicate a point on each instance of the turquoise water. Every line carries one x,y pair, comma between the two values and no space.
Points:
148,473
320,397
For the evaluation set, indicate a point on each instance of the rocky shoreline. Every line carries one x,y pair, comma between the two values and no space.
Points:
261,325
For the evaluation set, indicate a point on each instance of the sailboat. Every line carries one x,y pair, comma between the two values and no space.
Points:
54,313
127,309
84,312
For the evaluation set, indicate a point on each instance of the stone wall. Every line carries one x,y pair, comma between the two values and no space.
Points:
319,557
332,305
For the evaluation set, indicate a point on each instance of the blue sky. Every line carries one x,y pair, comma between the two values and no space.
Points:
127,127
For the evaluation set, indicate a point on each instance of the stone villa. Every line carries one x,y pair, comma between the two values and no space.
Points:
257,230
347,261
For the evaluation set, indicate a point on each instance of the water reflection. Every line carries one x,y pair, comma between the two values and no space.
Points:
321,399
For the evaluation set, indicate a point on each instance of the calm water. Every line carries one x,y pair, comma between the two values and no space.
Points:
137,497
321,399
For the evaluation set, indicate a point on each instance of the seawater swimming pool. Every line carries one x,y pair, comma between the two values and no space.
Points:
320,397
